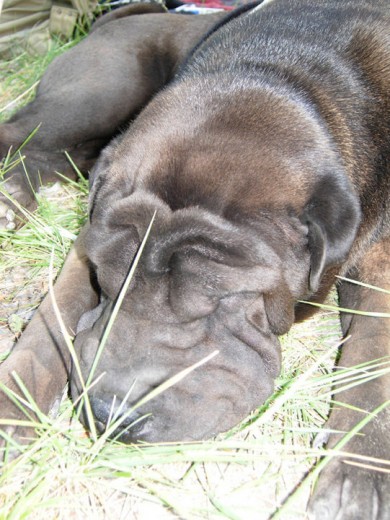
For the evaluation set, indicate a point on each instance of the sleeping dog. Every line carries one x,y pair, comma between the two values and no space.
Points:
261,139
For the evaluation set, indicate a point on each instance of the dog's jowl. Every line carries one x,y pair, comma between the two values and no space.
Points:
266,157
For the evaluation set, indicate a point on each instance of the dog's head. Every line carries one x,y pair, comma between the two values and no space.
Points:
226,260
203,284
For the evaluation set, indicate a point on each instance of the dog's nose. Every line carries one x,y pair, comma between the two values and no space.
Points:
126,424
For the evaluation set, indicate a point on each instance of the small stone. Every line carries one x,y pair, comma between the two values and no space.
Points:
10,215
10,226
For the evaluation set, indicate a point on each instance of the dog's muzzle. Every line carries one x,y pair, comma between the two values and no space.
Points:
141,354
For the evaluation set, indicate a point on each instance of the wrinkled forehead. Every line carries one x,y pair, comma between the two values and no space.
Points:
193,260
122,224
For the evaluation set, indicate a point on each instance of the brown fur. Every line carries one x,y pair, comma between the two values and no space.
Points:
266,157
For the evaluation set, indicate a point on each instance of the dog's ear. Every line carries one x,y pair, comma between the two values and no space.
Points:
111,251
115,234
332,217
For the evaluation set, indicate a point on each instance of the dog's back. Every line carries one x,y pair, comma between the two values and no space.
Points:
296,48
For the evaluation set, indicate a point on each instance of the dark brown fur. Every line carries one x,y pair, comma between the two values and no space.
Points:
266,157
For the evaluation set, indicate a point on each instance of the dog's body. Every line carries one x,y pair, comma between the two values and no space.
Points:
267,161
